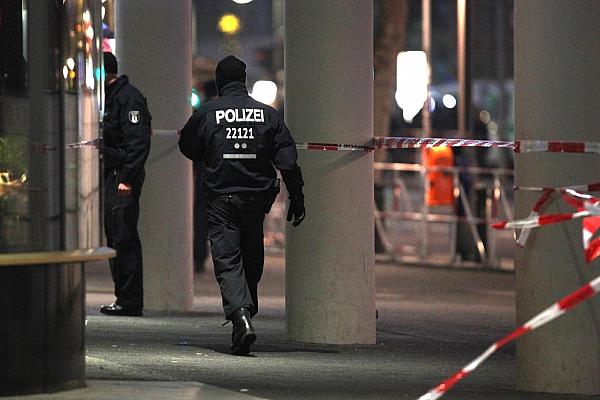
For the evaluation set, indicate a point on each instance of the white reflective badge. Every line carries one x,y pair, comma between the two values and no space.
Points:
134,117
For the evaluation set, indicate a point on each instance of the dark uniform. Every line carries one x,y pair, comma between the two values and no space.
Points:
126,139
240,142
200,218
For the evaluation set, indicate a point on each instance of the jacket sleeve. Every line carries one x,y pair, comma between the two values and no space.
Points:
286,159
191,143
136,125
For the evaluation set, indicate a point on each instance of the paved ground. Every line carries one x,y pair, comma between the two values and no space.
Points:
431,322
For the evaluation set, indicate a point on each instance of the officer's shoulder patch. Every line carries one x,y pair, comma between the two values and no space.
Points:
134,117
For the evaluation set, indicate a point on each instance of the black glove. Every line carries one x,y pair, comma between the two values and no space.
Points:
296,210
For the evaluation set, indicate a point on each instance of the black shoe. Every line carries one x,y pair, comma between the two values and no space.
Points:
243,334
115,309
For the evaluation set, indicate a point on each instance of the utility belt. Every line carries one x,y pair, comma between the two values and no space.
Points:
267,197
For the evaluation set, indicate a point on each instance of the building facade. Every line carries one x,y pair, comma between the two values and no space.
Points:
50,91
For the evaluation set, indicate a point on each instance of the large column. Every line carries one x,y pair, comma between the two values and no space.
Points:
154,49
330,285
557,59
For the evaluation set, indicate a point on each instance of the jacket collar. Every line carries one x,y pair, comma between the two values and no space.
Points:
116,85
233,89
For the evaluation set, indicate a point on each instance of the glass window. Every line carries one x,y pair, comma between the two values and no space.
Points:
49,85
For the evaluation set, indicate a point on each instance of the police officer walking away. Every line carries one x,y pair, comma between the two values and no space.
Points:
126,138
240,141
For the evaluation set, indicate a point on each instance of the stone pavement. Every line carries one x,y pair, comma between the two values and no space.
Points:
432,321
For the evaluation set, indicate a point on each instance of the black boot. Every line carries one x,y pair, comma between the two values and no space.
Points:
243,333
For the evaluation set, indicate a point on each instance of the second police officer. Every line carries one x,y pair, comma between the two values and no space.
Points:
241,141
126,135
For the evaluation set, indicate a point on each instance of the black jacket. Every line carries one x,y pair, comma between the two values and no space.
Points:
126,130
240,141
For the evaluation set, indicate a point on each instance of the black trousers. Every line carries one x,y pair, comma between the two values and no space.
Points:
121,215
235,231
200,220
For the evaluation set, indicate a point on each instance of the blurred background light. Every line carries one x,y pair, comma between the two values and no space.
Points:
89,32
89,73
86,17
449,101
484,116
412,77
195,100
242,1
264,91
229,24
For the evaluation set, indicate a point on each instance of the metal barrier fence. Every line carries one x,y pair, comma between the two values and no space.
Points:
408,230
459,234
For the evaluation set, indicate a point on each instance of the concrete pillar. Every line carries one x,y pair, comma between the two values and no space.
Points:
557,59
330,285
153,45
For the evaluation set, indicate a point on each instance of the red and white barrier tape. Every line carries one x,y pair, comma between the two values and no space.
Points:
415,143
553,146
579,200
591,245
525,232
587,206
403,143
400,142
94,143
593,187
524,235
332,147
519,146
590,225
535,221
585,292
97,143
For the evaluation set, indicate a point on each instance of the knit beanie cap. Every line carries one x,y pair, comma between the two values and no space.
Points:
110,63
230,69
